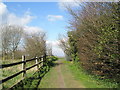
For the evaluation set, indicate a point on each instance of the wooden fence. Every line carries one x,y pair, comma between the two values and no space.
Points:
38,61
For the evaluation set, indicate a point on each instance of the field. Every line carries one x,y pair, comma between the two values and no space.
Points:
14,69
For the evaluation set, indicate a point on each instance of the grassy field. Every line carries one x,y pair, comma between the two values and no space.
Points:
14,69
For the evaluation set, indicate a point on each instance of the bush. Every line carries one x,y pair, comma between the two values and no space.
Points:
51,60
94,38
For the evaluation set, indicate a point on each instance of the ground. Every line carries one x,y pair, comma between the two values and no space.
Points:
60,77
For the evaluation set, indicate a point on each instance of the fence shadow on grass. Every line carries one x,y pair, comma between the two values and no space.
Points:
33,81
55,63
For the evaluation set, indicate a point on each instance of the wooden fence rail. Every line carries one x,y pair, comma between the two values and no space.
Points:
24,69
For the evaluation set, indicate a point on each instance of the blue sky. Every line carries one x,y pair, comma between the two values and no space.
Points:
35,16
49,17
40,10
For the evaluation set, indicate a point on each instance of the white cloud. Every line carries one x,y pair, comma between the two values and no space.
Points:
88,0
68,3
75,3
3,13
3,9
30,29
13,19
24,20
54,17
69,0
57,51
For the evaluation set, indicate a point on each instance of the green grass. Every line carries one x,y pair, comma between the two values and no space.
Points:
32,81
79,75
14,69
87,80
69,78
50,80
61,58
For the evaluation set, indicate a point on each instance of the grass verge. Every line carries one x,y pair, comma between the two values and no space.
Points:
89,81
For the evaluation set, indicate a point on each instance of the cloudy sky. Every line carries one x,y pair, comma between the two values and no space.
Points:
49,17
37,16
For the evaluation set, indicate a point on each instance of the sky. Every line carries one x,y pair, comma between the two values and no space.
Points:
49,17
46,15
38,16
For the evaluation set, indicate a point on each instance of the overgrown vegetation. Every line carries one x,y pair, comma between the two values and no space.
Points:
89,81
51,60
93,38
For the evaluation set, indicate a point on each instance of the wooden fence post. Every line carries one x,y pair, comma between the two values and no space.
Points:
37,63
42,61
24,66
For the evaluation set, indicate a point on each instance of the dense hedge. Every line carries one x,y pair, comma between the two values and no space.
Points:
94,38
50,60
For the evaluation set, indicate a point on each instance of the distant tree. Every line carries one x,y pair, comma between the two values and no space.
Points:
35,44
19,53
16,35
63,43
5,40
10,38
49,49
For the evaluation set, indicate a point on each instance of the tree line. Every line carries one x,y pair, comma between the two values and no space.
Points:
15,42
94,38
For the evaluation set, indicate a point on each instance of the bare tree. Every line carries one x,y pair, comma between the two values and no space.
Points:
64,45
16,34
49,49
10,38
5,40
35,44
